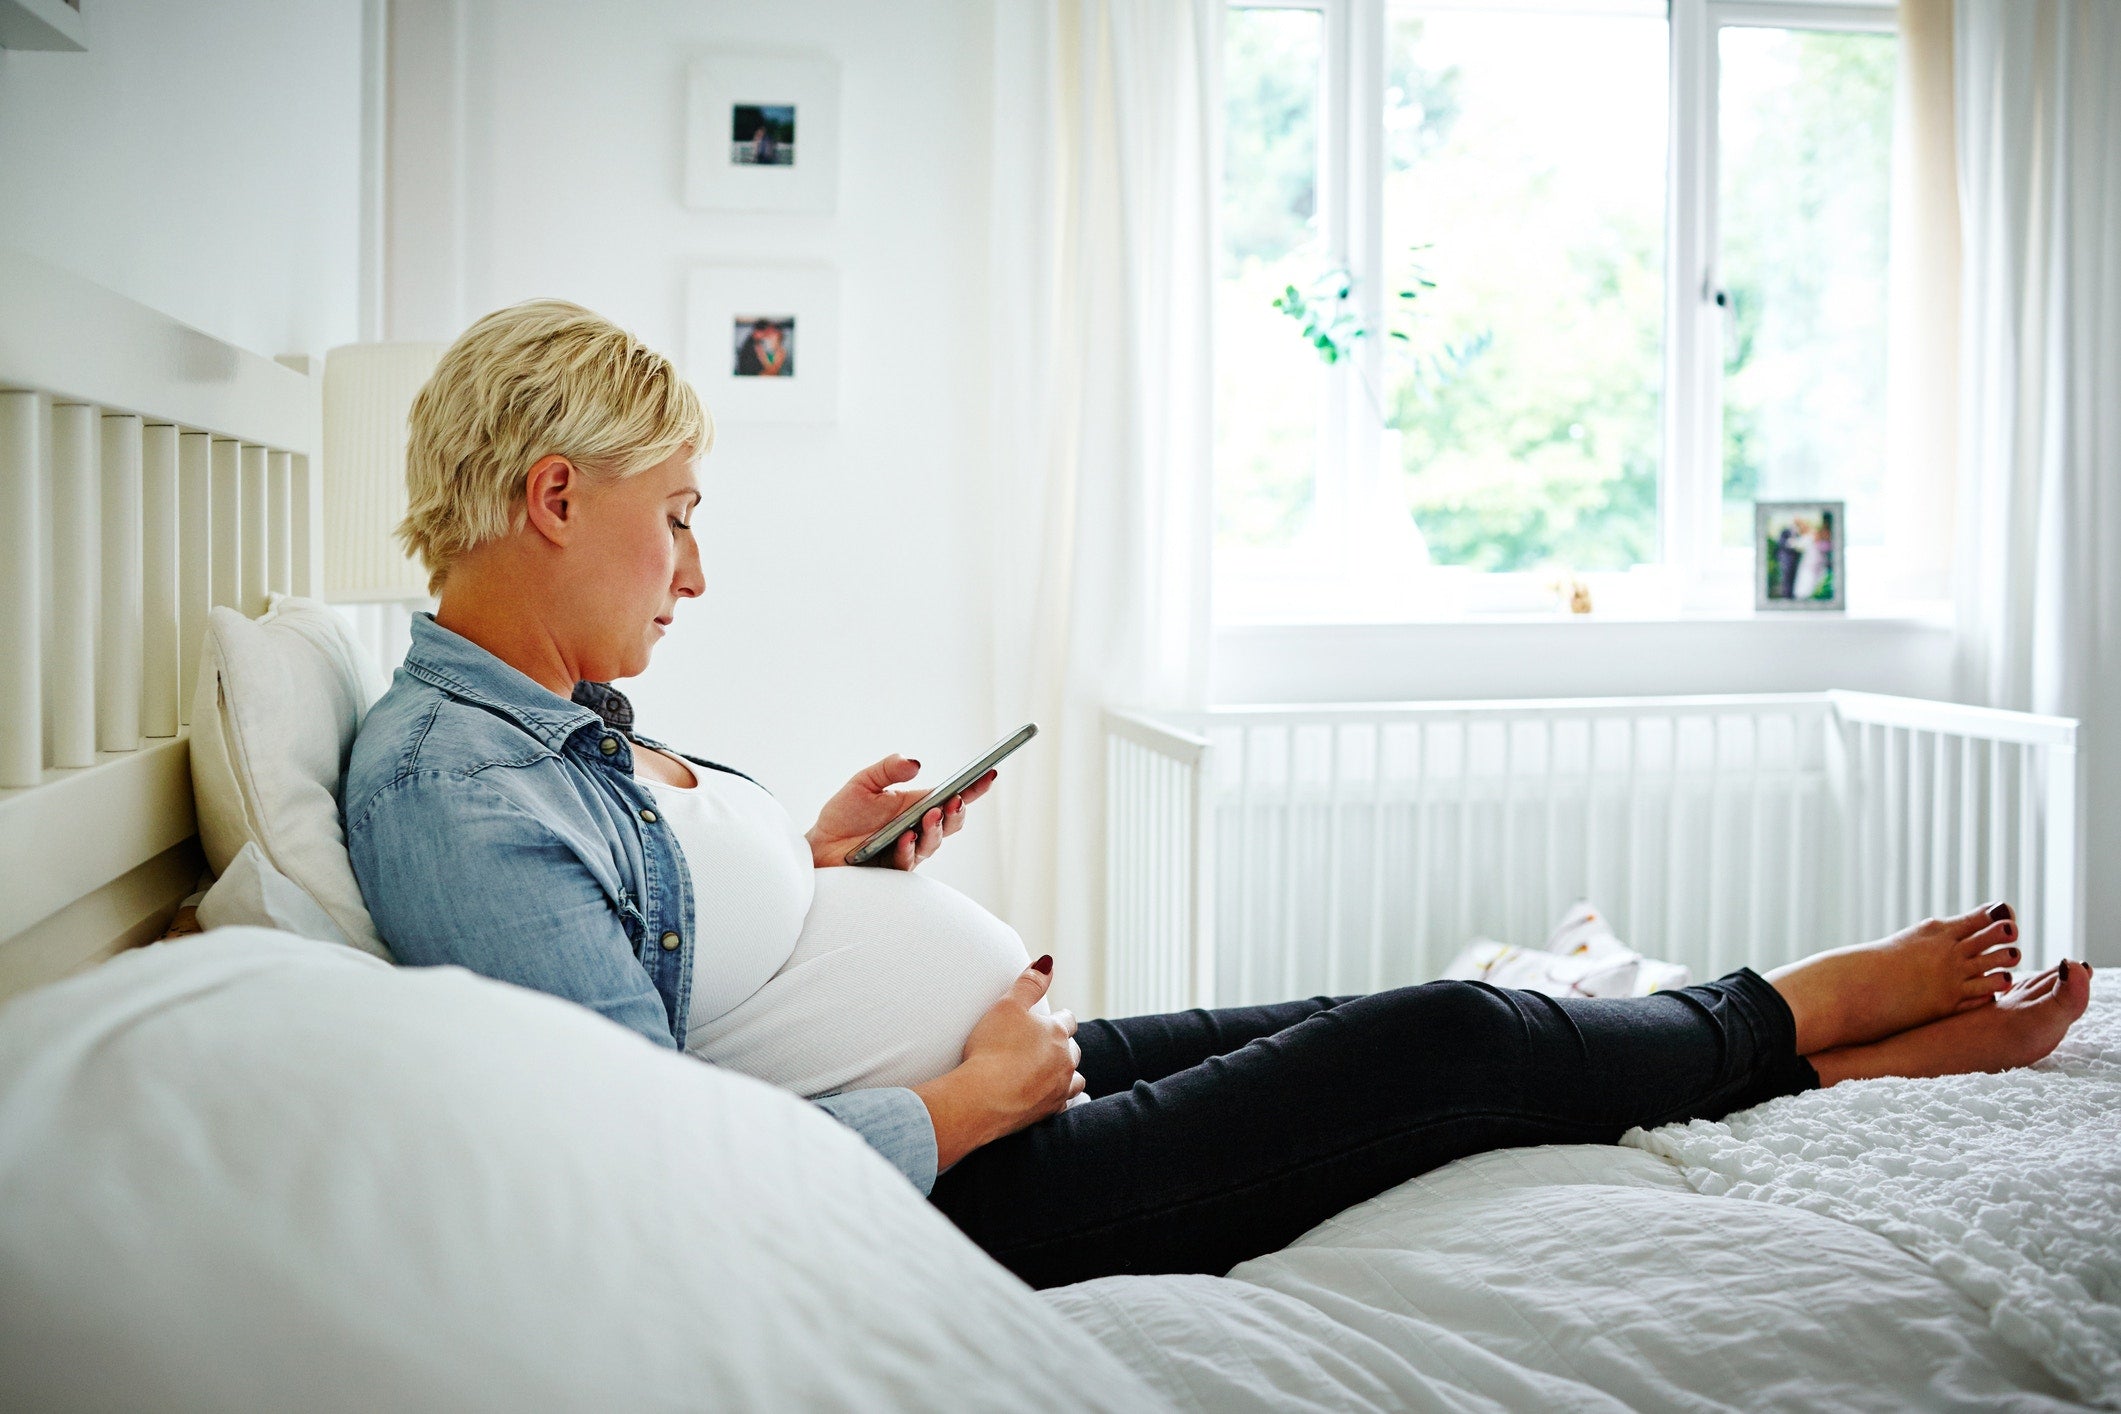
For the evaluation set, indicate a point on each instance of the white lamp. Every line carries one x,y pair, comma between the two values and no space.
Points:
368,391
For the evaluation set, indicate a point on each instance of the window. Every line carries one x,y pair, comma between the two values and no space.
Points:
1564,286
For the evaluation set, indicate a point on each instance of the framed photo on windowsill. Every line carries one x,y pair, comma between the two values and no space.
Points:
1798,560
762,341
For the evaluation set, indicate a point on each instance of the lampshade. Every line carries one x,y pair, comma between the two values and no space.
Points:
368,390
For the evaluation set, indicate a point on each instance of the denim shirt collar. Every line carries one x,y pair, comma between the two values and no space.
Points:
457,665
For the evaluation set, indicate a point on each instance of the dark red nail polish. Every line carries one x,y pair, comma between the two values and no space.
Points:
1998,912
1044,964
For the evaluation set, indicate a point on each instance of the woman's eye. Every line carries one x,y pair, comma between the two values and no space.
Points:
676,524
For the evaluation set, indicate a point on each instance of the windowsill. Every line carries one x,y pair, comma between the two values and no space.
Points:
1937,614
1902,648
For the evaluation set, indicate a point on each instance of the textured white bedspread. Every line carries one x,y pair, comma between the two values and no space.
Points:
2009,1185
1935,1275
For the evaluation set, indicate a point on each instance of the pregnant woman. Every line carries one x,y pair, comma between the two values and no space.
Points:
503,814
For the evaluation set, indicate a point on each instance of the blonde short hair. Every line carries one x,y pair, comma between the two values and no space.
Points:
536,379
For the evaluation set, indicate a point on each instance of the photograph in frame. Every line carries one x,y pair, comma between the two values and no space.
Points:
1799,555
762,133
762,341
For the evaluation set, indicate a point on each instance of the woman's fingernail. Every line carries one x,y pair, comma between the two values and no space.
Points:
1997,912
1044,964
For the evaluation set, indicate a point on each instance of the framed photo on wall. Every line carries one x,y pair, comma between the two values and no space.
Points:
762,341
1798,555
762,133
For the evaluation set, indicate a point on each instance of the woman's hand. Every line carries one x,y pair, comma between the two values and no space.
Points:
868,803
1019,1067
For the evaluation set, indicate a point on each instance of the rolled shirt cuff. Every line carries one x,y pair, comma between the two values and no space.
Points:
895,1123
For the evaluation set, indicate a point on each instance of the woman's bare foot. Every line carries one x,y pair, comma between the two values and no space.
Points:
2025,1024
1868,991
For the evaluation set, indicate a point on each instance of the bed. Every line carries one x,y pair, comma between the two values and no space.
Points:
255,1169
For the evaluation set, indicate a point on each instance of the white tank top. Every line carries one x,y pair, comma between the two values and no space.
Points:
824,979
752,879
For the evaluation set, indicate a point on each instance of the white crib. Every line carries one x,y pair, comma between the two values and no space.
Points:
1254,853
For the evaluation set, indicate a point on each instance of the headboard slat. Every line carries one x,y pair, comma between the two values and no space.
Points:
118,662
21,589
76,560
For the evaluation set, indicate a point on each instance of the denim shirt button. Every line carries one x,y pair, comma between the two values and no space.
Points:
609,745
647,815
670,942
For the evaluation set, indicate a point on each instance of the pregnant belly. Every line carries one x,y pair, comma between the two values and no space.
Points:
890,974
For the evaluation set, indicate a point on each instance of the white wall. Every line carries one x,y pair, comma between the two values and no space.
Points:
204,159
844,617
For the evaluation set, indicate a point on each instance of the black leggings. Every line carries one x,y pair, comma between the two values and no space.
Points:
1215,1136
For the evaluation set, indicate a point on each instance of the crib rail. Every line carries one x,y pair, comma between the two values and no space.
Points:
1157,928
1951,805
1344,848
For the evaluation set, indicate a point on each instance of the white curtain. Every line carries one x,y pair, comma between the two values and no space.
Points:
2039,545
1102,269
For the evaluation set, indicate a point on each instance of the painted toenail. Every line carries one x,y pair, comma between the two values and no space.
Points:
1997,912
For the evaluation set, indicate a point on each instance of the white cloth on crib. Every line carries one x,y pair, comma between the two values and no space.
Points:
1582,958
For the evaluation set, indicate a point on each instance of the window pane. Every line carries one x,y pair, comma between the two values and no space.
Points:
1269,385
1805,171
1524,176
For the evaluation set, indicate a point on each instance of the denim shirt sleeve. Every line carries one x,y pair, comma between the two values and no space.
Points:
896,1125
453,871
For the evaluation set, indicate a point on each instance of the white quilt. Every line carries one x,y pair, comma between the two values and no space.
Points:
1588,1277
2008,1185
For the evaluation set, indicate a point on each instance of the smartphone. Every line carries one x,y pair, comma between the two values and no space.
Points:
880,843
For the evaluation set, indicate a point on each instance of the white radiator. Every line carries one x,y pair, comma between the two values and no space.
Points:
1258,853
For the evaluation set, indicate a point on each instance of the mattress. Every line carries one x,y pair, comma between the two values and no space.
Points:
1596,1277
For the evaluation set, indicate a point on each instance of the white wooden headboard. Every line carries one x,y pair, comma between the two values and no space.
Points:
147,472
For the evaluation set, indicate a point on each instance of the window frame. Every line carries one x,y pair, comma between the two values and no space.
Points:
1333,581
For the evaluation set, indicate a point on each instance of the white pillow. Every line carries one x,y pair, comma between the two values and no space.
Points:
273,722
254,894
244,1172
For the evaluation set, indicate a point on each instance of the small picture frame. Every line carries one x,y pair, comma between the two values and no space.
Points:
1798,555
762,341
762,133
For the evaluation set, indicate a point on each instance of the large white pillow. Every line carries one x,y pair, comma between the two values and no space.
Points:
273,721
244,1172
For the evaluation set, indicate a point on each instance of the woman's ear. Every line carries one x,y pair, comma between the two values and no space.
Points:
552,493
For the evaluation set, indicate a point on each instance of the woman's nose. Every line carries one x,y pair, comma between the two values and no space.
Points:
690,581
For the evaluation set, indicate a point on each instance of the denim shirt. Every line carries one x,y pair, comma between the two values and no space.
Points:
498,826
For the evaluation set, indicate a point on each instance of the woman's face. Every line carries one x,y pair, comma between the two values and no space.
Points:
638,558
